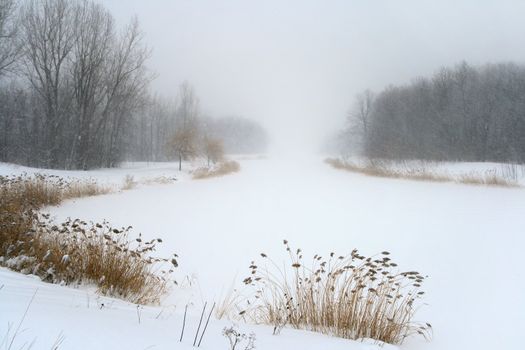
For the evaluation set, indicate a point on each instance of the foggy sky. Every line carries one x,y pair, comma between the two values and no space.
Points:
295,66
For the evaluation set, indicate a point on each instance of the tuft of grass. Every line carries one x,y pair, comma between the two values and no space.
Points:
380,168
490,178
129,183
74,251
158,180
228,304
352,296
221,169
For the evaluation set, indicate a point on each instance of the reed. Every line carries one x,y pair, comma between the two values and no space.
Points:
380,168
75,251
352,296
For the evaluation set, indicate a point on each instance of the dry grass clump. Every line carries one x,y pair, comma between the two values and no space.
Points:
40,190
490,178
73,251
380,168
129,183
82,188
229,303
221,169
22,196
158,180
352,297
77,252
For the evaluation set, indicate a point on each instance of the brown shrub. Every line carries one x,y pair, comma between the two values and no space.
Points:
223,168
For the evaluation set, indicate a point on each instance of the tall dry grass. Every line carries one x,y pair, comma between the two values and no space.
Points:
40,190
77,252
22,196
130,182
490,178
74,251
352,296
229,303
221,169
380,168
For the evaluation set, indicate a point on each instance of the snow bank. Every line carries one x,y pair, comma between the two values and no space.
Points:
84,320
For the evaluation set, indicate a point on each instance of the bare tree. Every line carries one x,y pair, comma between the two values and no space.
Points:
94,37
126,84
359,119
9,46
361,115
48,36
188,106
184,142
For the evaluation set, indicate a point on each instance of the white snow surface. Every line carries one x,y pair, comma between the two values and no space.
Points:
467,239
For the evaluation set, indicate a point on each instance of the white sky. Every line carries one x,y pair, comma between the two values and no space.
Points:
295,66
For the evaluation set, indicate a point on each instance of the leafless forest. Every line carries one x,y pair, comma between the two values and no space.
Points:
75,93
463,113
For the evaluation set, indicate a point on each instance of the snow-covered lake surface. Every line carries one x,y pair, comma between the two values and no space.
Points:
467,239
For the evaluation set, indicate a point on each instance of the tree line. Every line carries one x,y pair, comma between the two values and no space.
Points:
463,113
75,90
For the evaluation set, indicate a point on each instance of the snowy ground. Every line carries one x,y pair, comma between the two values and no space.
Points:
79,319
468,239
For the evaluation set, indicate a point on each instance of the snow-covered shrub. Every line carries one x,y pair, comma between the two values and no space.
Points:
352,296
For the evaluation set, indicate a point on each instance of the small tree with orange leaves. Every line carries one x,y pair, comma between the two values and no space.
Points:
183,145
213,149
